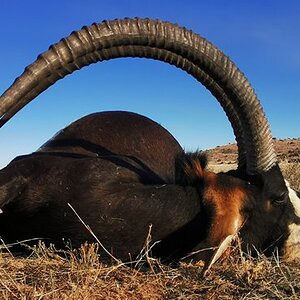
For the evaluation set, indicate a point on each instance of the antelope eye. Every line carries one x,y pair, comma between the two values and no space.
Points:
281,199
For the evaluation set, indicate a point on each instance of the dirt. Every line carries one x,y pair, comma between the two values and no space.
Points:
288,150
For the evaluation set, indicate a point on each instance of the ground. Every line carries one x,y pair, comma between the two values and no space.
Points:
50,274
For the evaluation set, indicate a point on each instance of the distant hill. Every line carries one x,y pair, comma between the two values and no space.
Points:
288,150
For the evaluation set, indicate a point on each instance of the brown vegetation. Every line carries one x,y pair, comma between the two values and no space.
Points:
47,275
50,274
288,150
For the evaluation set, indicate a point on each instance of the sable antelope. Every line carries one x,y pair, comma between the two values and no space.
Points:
119,191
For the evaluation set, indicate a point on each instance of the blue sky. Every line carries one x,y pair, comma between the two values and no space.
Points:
261,36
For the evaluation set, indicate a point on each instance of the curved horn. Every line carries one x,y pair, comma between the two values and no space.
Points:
80,49
173,59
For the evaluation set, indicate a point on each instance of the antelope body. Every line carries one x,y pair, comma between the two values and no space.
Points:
123,172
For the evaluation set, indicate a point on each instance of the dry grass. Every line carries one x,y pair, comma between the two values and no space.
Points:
82,276
291,171
49,274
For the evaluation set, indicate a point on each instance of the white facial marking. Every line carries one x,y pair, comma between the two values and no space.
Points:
237,224
292,246
295,201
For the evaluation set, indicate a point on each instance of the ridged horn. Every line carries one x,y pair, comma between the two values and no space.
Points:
173,59
162,41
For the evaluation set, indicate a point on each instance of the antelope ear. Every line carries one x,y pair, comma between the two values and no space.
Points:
208,253
215,253
223,232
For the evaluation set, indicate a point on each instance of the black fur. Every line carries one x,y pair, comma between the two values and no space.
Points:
122,172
